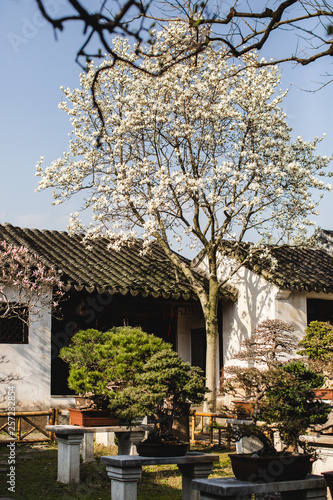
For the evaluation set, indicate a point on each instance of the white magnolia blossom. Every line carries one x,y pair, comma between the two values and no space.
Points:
203,152
206,145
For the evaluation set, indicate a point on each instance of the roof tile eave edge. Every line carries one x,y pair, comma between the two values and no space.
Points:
301,288
144,292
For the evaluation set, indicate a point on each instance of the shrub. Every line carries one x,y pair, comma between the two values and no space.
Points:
103,362
164,388
290,401
280,389
317,345
134,374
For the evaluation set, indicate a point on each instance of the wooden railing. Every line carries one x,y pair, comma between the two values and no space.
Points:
207,425
20,436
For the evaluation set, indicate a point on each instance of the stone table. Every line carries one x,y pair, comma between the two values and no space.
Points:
312,487
125,471
71,437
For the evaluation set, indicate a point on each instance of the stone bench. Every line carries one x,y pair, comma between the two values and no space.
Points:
312,487
73,440
125,471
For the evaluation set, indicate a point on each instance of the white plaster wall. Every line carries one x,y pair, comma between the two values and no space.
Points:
189,317
291,307
31,363
255,303
257,300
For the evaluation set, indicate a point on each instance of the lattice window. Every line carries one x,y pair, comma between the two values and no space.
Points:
14,328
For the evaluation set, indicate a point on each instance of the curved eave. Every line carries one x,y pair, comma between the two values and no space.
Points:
144,292
301,287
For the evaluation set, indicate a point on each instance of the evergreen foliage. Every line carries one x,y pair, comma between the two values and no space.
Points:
103,362
134,374
164,388
317,346
290,402
280,389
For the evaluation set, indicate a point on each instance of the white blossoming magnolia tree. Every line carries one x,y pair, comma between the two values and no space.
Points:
199,155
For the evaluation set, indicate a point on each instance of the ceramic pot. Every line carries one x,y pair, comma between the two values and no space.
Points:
91,418
146,449
270,469
324,393
243,408
329,480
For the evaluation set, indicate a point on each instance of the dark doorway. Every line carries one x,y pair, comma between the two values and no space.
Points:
198,348
83,310
319,310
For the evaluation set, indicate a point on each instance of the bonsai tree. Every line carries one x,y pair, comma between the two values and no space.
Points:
290,403
280,388
164,388
134,374
269,346
317,346
101,363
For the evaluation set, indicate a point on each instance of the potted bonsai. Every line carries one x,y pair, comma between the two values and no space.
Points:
317,348
101,364
162,390
281,393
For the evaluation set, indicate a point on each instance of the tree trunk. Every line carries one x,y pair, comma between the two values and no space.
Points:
211,321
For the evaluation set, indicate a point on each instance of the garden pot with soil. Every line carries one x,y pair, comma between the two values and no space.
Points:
161,449
271,469
91,418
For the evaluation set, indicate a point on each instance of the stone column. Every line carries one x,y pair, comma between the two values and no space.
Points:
69,457
124,482
87,447
190,472
105,438
127,440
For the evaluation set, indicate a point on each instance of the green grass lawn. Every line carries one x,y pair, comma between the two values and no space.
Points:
36,475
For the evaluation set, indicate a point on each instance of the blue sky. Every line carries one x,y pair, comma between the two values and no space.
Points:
35,65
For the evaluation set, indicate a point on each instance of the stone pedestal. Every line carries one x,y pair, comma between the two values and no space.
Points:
72,439
246,444
127,440
124,482
87,447
323,445
69,458
190,472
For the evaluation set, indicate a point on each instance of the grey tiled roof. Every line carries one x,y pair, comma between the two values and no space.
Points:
298,268
99,267
302,269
